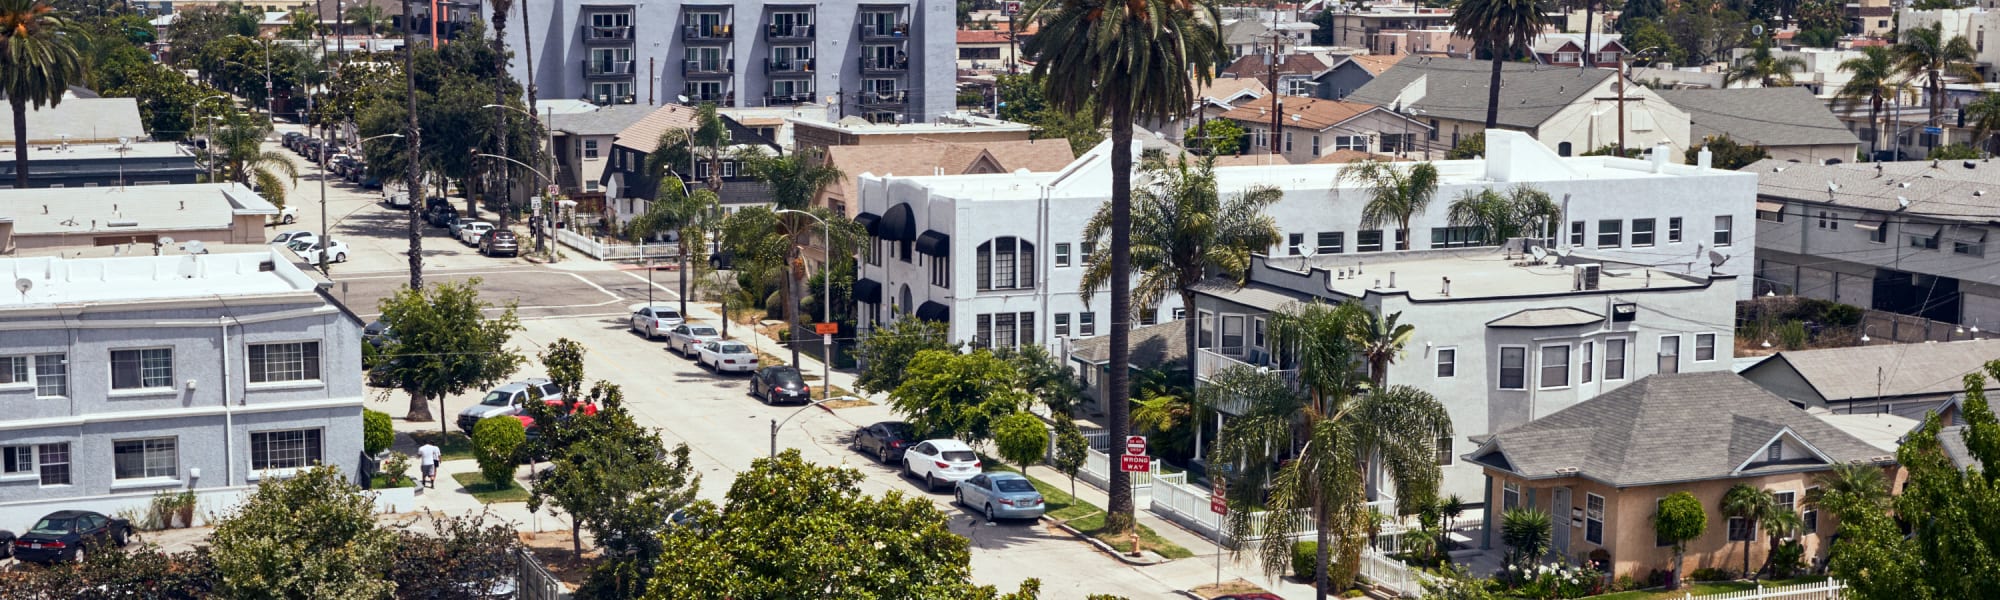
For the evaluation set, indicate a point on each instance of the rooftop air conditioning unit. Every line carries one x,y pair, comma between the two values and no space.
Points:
1587,276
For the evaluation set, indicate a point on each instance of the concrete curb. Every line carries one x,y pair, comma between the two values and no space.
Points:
1106,548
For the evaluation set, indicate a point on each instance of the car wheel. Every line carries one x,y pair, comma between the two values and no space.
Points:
121,537
290,219
958,498
989,512
340,258
78,555
930,483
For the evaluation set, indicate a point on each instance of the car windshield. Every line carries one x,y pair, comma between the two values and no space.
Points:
735,349
667,314
786,377
701,331
297,245
960,456
1013,485
496,399
900,430
53,526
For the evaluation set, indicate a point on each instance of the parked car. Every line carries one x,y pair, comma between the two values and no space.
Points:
6,544
377,333
683,338
500,242
1001,495
653,319
780,383
441,217
469,233
885,440
290,138
940,463
506,400
726,356
397,200
287,238
722,261
309,251
65,535
534,431
286,216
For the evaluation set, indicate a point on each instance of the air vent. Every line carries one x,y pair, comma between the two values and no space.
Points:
1587,276
122,223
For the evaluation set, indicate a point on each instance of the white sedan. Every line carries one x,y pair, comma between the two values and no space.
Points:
684,338
309,251
286,238
470,233
655,319
726,356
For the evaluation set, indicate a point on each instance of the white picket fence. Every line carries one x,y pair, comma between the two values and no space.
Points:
1097,468
1830,589
1186,504
607,250
1392,575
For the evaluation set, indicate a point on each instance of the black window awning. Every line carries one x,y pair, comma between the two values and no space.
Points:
897,225
932,311
867,291
935,244
868,221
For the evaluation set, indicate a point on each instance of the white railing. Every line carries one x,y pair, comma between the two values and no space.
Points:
1209,362
1831,589
605,250
1186,504
1392,574
1097,468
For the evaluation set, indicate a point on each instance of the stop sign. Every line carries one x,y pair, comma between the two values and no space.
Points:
1135,445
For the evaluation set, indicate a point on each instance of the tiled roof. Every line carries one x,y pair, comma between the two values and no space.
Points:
1776,116
1374,63
1311,113
1456,89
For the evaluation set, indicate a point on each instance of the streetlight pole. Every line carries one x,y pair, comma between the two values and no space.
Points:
197,121
825,303
549,141
775,424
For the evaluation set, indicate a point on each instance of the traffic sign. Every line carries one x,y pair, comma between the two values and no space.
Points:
1217,502
551,189
1010,8
1934,130
1135,444
826,328
1135,463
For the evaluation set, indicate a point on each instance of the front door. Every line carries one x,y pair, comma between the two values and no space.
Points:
1559,517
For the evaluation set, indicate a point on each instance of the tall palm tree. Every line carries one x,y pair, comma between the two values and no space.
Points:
1501,28
1925,52
792,181
38,62
1778,524
1523,211
675,209
1379,339
1131,59
1872,77
1339,431
502,126
1182,230
1164,407
238,148
1394,194
1762,66
1746,502
1984,117
369,18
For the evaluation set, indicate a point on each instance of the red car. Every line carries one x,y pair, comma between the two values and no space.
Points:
582,408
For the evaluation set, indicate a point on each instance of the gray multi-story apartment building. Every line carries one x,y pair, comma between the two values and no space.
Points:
887,61
124,377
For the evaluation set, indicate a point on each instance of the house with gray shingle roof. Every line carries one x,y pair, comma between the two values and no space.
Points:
583,144
1570,110
1600,468
1788,122
1901,379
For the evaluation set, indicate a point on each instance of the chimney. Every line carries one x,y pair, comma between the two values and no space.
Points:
1659,159
1392,280
1704,158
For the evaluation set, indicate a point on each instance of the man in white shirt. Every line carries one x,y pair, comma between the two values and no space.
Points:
429,454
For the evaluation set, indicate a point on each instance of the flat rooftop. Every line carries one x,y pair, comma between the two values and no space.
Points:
1474,273
55,281
950,123
94,151
133,209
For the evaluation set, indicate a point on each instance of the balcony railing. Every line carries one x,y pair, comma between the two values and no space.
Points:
698,33
607,68
789,32
708,68
892,98
609,99
878,65
776,67
722,98
788,100
875,31
621,33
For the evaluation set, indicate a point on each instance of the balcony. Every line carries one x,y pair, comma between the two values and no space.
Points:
610,99
708,33
788,100
894,31
788,67
777,32
610,69
879,66
708,68
720,98
895,99
593,34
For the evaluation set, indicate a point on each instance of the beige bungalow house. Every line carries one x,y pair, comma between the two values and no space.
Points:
1314,127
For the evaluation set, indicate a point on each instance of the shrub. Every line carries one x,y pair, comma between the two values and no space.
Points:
377,434
1624,583
1711,574
1303,555
1353,593
1788,559
496,441
1792,334
396,469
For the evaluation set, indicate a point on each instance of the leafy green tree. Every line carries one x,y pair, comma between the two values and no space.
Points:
1502,29
1703,29
1872,77
238,148
1471,146
1217,137
833,540
458,554
1164,407
948,394
1395,193
888,352
1762,66
40,63
1128,61
1527,531
312,535
1071,450
496,442
377,433
563,359
187,575
1182,231
445,344
1925,52
1021,100
1021,438
1953,152
674,209
1524,211
1984,117
618,481
793,180
1747,502
1044,374
1650,33
369,18
1726,153
1680,520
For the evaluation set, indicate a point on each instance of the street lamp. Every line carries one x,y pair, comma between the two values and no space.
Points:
825,301
775,424
549,219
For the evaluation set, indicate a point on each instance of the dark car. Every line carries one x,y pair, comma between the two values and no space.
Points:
64,535
722,261
885,441
290,138
6,543
377,333
500,242
780,384
441,216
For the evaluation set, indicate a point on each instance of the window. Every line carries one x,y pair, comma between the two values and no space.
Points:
1774,216
1510,495
1315,146
1670,354
1593,519
941,272
1180,313
1062,254
1257,332
1148,316
1610,233
875,251
1584,374
1828,220
144,459
1775,452
51,375
590,149
1674,230
1722,225
1086,324
1004,333
1350,142
54,462
1457,237
1444,452
1368,241
13,370
1880,234
982,336
1295,244
1288,142
297,361
1704,347
1969,243
1809,520
1555,366
284,449
1614,360
1232,335
1741,530
17,460
1921,241
1576,232
1204,334
142,369
1447,359
1330,242
1062,324
1642,233
1259,138
1087,249
1006,263
1513,368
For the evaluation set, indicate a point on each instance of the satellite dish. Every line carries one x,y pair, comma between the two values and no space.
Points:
1902,202
166,241
1538,253
1756,30
24,284
1715,259
1565,251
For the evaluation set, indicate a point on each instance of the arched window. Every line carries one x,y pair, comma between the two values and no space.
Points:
904,306
1005,263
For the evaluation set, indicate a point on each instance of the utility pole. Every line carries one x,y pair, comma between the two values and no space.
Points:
415,186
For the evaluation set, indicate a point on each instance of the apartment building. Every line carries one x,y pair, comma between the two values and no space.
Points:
128,376
892,61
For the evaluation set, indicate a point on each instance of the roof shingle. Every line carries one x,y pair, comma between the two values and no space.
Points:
1776,116
1456,89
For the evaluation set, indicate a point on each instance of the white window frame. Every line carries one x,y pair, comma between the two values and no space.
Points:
305,458
1660,355
1443,364
1086,324
309,368
43,465
1062,324
1648,234
1808,518
16,371
1593,512
1510,495
1725,234
1674,230
50,373
1258,333
1542,366
1223,334
24,461
148,469
590,151
1710,337
1357,143
1500,374
1624,358
1062,254
1588,364
1338,239
142,387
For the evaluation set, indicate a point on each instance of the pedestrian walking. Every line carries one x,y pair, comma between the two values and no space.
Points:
429,454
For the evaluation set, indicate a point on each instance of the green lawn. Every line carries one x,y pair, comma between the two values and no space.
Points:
1703,588
382,482
455,446
487,493
1084,517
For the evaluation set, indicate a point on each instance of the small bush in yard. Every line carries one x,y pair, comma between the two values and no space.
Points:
496,442
377,434
1711,574
1303,555
396,469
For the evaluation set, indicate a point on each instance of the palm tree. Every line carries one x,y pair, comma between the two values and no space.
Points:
1341,430
1528,532
1182,230
1131,59
39,61
1753,505
1394,194
1924,52
673,208
1984,117
1778,524
1380,340
1164,407
1524,211
1846,487
1764,67
238,148
369,17
792,181
1501,28
502,126
1872,77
